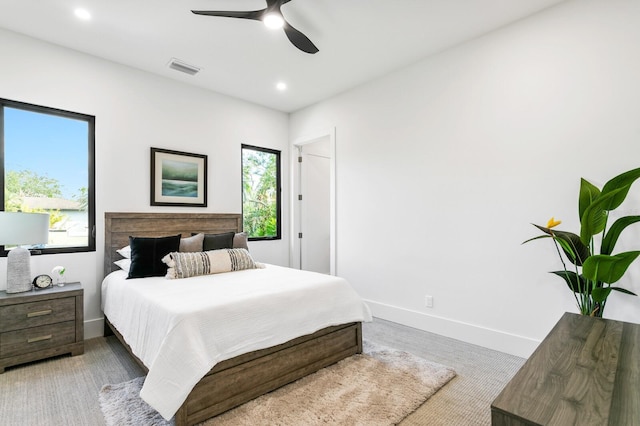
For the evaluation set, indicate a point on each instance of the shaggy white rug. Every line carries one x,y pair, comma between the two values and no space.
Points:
380,387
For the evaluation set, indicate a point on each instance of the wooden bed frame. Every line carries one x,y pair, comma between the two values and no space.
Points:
238,380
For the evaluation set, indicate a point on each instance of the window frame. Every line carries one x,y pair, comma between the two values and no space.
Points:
278,155
91,199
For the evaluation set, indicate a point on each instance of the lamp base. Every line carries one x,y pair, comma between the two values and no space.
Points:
18,270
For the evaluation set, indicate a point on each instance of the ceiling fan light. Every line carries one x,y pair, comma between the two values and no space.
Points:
273,20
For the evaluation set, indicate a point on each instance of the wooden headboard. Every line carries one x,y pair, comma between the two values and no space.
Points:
119,226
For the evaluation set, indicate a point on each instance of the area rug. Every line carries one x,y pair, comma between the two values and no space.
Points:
379,387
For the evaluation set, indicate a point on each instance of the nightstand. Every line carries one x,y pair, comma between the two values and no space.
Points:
40,324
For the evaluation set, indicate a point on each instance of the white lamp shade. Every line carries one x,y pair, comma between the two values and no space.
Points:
18,228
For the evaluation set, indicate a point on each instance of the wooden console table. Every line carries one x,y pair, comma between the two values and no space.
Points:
585,372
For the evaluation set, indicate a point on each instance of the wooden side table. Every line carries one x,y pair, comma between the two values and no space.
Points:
40,324
585,372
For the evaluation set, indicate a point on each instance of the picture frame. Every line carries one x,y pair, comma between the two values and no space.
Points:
178,178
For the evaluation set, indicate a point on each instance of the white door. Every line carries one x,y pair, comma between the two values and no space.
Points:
313,204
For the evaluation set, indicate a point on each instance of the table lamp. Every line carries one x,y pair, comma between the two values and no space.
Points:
17,228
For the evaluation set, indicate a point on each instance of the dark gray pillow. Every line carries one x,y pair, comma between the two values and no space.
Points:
147,254
218,241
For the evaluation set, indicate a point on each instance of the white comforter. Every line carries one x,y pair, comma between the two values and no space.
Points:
181,328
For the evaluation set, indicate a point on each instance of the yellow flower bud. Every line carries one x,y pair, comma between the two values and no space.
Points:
553,222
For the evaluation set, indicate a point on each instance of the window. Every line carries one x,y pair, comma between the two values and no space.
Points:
261,193
47,165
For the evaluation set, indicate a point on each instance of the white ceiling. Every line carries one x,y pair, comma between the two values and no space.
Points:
359,40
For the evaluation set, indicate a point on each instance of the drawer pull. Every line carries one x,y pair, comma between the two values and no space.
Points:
39,313
39,339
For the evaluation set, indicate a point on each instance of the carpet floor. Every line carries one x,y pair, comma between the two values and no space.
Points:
466,400
64,390
377,388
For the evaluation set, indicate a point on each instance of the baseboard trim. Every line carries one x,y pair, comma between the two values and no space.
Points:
93,328
482,336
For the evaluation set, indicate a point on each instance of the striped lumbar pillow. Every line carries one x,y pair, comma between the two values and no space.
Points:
185,264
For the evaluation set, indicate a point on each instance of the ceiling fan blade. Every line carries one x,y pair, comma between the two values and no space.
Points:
299,40
254,14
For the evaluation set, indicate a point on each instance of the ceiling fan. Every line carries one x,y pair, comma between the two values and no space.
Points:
273,18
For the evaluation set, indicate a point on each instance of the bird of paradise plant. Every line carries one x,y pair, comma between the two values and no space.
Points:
591,275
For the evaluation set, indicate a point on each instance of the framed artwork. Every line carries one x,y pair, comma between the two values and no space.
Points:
178,178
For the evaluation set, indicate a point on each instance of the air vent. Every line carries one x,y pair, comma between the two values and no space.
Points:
178,65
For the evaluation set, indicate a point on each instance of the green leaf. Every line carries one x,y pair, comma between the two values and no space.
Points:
571,244
606,268
536,238
623,290
594,218
575,282
609,241
600,294
588,193
568,250
621,182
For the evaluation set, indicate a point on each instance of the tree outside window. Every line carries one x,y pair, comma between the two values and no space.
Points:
261,204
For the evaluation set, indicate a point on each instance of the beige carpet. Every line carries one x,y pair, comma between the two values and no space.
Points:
380,387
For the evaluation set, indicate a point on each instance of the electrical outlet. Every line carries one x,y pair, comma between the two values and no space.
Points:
428,301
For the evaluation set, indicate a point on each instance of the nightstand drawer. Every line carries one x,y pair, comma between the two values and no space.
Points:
33,314
38,338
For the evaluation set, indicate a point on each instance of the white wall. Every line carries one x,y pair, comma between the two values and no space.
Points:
442,166
134,111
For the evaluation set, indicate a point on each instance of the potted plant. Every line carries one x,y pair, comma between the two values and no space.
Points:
592,272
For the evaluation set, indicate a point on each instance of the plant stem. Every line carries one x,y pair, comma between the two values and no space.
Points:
564,266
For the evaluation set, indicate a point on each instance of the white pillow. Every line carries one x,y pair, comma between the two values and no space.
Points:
123,264
125,252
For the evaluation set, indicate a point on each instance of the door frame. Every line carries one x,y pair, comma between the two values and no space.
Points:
294,257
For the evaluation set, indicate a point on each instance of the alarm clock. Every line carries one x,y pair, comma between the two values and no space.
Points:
42,281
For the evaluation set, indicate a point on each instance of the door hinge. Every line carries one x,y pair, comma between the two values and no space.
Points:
299,234
299,159
299,197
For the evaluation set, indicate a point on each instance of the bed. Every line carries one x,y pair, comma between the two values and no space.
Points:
234,381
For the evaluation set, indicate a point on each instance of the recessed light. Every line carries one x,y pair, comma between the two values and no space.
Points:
273,21
82,14
281,86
